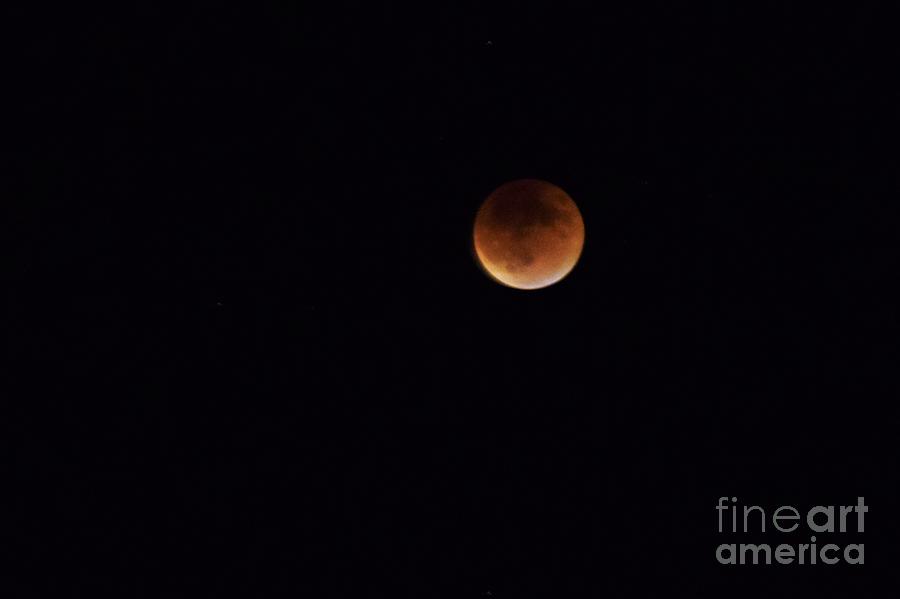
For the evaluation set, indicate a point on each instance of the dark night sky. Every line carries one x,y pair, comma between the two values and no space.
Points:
267,362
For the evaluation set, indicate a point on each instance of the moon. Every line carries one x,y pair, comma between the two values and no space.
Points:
528,234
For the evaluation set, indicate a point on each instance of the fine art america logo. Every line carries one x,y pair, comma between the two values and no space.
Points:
820,520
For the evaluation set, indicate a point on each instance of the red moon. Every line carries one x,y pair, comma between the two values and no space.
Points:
528,234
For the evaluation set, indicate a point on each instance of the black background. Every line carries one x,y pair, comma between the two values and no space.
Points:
267,362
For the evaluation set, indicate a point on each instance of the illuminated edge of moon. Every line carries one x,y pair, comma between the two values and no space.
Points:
547,282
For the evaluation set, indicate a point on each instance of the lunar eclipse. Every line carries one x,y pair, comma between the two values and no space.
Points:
528,234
